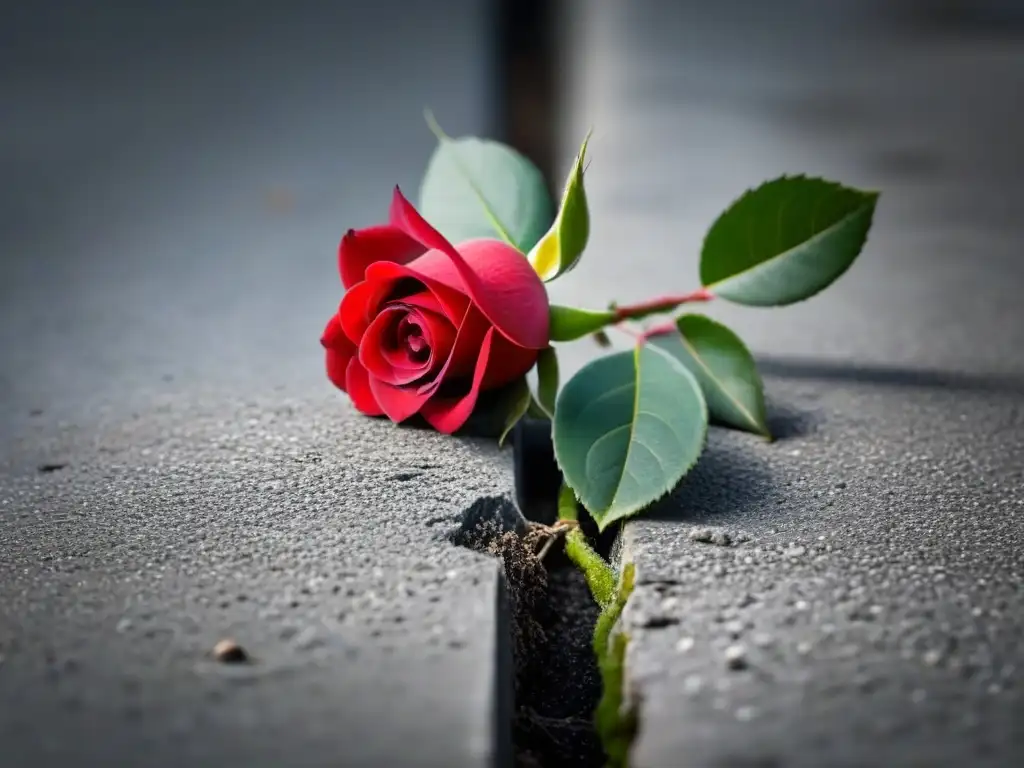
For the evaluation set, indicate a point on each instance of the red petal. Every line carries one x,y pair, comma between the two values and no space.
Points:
357,383
449,415
427,300
508,362
399,403
451,301
507,290
361,248
465,349
440,334
359,306
373,342
376,341
339,352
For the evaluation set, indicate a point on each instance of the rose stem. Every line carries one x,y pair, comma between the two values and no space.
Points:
662,304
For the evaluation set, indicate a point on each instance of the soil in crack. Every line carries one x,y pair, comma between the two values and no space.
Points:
557,683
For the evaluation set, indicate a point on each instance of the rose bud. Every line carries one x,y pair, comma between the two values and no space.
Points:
424,327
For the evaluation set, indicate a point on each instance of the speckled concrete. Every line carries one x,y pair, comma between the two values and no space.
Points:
867,610
174,466
311,536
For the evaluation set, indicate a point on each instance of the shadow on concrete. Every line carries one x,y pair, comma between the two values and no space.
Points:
788,421
881,375
728,481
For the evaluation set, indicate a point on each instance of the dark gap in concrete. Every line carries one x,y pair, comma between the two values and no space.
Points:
527,95
556,680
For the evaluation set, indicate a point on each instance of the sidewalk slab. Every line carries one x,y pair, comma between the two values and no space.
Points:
311,536
849,594
175,468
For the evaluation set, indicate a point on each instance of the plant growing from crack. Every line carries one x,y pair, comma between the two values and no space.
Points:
447,303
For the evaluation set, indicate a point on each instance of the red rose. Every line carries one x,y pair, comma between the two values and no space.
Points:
424,327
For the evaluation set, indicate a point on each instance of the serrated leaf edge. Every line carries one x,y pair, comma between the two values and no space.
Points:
603,521
870,198
443,138
759,428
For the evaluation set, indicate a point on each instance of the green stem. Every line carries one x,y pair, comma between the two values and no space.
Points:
599,575
566,503
614,719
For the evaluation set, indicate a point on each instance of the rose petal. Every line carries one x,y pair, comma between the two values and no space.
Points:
357,384
361,248
359,306
398,403
449,414
465,350
373,343
508,362
452,301
502,283
427,300
384,359
334,334
340,350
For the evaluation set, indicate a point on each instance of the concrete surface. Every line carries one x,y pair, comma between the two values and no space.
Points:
174,466
873,588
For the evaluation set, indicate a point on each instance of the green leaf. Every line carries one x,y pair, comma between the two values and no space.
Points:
724,368
560,249
547,380
515,401
570,323
479,188
627,428
785,241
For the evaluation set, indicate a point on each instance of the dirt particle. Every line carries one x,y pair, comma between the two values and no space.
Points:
736,657
710,536
229,652
52,467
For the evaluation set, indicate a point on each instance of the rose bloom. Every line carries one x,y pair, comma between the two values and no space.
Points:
425,327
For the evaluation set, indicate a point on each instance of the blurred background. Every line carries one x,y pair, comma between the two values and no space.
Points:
177,175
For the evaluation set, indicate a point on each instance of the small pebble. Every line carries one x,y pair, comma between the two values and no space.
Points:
709,536
229,652
932,657
685,644
736,657
702,535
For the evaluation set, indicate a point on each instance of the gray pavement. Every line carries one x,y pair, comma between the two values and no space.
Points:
871,597
174,466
